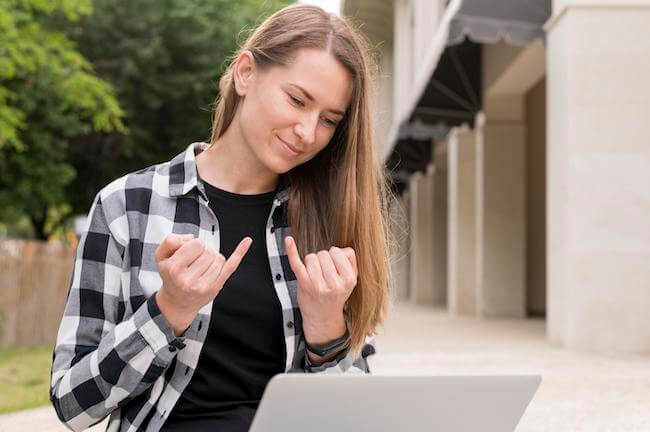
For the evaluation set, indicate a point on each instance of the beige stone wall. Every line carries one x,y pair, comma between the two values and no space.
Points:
599,175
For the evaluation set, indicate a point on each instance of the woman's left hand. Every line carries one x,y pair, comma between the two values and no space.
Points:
325,282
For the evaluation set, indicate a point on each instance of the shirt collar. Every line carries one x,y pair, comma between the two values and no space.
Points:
183,175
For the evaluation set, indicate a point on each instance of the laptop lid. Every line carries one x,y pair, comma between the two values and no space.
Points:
326,403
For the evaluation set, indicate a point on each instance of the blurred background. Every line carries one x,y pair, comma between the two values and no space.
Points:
514,133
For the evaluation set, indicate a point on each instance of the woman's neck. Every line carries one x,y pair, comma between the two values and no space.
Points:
230,164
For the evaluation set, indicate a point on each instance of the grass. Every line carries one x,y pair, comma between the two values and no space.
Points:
24,378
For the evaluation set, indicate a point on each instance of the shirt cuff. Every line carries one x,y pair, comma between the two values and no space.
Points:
157,332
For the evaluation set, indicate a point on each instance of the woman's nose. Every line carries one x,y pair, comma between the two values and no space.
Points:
306,129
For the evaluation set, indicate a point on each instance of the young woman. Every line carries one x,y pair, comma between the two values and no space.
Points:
262,252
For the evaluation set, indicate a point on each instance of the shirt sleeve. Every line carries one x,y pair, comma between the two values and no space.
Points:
345,362
102,361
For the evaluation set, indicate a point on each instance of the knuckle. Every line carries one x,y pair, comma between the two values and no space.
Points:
196,244
184,283
201,286
174,270
163,266
206,256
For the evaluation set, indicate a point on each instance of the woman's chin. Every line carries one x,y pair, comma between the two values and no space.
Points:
279,164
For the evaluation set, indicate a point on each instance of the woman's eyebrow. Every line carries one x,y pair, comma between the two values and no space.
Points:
311,98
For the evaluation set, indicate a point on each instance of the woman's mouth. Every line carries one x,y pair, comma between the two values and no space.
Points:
288,149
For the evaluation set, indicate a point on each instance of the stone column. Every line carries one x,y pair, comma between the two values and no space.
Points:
461,294
399,221
421,216
440,224
500,218
599,175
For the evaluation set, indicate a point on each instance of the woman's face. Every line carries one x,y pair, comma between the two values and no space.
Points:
289,113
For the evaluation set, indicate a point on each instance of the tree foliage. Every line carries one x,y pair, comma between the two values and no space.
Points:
65,64
164,57
48,95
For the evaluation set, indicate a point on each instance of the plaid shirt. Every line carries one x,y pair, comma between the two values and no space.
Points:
115,352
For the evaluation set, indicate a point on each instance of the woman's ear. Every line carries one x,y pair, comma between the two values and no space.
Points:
243,72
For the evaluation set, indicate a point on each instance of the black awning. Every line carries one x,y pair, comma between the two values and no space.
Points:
452,96
518,22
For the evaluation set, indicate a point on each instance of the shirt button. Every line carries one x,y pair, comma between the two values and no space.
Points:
278,276
290,324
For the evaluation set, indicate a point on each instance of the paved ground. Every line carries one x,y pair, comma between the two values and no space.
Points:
579,391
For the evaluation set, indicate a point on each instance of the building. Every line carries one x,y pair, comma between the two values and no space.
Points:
516,132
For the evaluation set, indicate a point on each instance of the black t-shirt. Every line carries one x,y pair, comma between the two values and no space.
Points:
245,345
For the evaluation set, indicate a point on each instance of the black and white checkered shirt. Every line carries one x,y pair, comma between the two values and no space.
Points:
115,352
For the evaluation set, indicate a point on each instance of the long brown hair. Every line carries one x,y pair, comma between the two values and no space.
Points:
339,197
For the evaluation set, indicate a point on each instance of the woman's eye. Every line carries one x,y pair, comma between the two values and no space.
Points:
329,122
296,101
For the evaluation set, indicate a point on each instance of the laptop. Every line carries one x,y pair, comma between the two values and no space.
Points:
378,403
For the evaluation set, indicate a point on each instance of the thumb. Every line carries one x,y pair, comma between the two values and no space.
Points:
171,244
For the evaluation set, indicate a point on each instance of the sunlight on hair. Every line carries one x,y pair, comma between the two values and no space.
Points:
328,5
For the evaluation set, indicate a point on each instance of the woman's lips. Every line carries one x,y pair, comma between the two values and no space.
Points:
288,148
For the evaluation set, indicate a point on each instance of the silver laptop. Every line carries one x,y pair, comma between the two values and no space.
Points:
376,403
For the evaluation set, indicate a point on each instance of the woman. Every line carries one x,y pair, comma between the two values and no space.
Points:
161,330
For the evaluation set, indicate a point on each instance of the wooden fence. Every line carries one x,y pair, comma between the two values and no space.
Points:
34,281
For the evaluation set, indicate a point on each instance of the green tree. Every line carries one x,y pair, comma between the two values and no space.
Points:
164,58
48,95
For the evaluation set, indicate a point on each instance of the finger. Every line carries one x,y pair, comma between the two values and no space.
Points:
188,253
343,265
328,269
208,280
170,244
294,260
312,264
201,265
352,257
234,260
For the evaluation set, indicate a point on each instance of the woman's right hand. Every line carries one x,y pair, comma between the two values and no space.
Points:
192,276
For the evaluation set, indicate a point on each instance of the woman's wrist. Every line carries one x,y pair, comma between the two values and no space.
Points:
324,342
323,331
179,321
